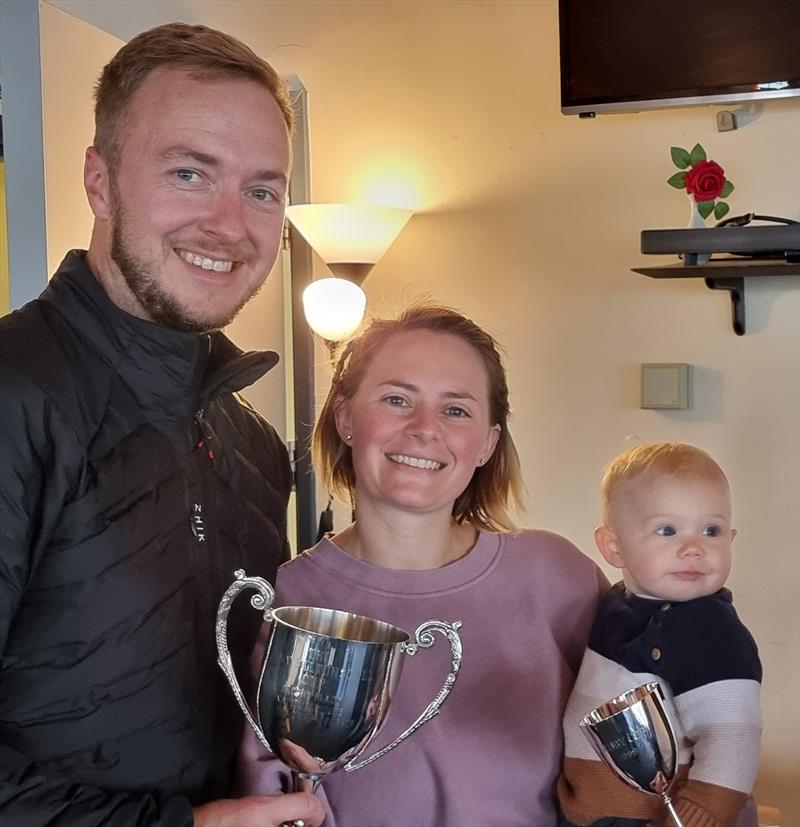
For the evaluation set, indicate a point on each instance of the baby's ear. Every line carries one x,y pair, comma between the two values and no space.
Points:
608,545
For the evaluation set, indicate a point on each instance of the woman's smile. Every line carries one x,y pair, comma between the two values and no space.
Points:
416,462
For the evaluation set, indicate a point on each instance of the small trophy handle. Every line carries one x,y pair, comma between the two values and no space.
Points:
671,808
424,639
261,601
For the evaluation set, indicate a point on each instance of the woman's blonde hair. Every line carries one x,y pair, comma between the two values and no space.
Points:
496,488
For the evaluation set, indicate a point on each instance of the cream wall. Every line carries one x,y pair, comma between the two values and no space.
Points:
72,52
530,222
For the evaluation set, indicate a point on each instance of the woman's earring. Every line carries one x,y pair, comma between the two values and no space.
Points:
348,437
481,461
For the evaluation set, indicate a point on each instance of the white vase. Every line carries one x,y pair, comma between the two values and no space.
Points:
696,222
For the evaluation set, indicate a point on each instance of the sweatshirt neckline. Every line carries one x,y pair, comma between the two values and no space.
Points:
459,574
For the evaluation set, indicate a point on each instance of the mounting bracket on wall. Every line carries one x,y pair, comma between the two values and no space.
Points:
736,287
726,274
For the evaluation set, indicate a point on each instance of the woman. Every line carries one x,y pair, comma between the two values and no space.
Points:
415,432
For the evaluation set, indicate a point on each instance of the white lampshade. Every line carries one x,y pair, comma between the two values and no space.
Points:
348,233
334,307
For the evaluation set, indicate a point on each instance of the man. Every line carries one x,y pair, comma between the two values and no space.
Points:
133,481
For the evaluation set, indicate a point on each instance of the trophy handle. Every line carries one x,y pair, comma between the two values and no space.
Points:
424,639
261,601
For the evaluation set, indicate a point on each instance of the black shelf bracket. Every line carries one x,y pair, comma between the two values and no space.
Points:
726,274
735,285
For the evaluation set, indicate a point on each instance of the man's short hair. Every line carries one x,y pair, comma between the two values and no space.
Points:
202,51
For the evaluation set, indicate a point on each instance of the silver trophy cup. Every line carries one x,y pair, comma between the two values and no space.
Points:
633,735
327,680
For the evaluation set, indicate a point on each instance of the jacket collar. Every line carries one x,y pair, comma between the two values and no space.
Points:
166,370
651,605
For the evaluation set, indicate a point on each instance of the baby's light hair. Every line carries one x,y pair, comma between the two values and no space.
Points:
675,459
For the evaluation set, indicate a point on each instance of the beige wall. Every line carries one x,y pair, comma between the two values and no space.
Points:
72,54
530,222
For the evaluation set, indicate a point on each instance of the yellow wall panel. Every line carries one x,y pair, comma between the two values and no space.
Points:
3,244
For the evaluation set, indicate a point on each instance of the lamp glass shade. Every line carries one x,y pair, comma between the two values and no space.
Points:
348,233
334,307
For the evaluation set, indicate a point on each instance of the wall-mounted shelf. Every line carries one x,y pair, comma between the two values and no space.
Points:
726,274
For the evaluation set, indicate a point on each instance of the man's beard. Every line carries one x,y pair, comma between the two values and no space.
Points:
160,306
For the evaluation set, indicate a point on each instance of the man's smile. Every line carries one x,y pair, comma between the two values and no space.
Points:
217,265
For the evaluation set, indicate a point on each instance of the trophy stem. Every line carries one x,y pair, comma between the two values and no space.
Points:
672,811
308,782
305,782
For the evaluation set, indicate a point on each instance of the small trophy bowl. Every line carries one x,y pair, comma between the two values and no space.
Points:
633,735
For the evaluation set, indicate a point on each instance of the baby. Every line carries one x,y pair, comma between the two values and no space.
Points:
667,526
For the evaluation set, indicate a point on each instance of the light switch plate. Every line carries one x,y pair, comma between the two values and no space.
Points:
666,386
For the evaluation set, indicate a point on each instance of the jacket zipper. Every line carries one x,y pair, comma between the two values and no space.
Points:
205,435
204,559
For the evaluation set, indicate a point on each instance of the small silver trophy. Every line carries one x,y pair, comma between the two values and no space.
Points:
633,735
327,680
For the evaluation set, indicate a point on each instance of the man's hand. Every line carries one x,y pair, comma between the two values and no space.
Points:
260,811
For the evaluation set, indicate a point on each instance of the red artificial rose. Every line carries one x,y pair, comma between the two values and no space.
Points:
705,180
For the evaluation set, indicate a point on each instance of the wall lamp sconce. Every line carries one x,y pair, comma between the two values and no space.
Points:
350,239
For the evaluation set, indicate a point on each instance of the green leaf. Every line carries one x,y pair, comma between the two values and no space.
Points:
678,180
720,209
727,189
697,154
680,157
705,208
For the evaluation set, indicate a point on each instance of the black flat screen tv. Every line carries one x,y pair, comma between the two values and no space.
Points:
630,55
